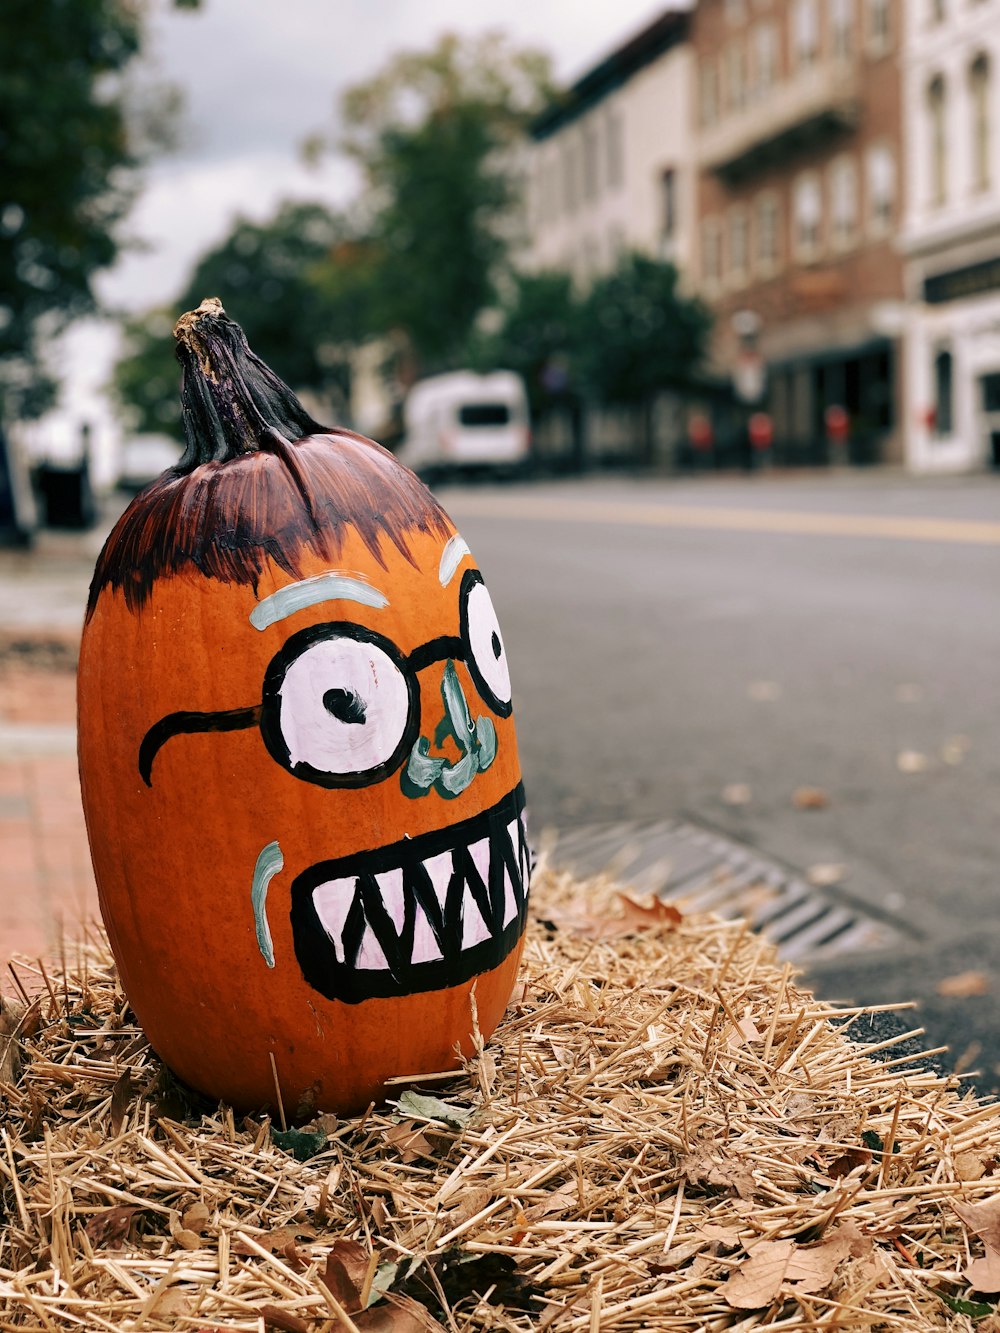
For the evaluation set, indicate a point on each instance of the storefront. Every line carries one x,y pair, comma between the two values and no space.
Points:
953,364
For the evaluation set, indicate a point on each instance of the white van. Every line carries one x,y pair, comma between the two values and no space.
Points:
465,421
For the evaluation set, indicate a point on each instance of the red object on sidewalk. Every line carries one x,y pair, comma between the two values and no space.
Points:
761,429
700,431
837,422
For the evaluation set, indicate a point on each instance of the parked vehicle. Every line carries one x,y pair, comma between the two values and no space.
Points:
464,421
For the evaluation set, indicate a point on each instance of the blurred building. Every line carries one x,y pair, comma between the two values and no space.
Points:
951,233
797,114
610,163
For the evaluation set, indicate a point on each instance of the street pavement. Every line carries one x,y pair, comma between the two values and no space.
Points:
687,655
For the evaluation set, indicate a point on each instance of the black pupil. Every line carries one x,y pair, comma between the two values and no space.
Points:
497,645
345,705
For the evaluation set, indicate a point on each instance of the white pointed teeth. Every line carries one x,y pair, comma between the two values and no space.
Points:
332,902
425,946
371,919
440,869
474,927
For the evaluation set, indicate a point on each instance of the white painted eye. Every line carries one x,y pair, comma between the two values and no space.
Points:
487,657
340,710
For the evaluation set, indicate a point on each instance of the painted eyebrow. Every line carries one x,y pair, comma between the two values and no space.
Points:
307,592
455,551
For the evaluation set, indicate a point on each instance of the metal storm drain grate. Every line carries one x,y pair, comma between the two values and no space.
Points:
702,871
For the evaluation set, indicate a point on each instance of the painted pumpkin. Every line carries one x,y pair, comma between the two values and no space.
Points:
297,755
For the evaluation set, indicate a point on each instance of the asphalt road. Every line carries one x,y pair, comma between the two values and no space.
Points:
673,640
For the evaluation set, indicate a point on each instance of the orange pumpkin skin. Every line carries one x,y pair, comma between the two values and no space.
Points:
177,828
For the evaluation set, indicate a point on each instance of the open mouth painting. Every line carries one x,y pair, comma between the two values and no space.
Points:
296,711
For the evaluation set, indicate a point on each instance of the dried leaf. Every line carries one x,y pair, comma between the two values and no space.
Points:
810,798
969,1166
804,1268
346,1272
825,874
121,1095
196,1217
701,1169
848,1162
282,1319
912,761
425,1107
12,1016
409,1141
398,1314
564,1201
983,1219
634,916
963,984
110,1226
736,794
984,1274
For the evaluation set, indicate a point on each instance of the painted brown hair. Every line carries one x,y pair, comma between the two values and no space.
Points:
260,479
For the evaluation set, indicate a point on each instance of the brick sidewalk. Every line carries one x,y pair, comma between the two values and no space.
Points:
47,889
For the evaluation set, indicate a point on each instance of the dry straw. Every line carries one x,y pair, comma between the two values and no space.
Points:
666,1133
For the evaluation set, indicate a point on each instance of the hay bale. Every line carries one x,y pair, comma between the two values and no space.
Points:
665,1133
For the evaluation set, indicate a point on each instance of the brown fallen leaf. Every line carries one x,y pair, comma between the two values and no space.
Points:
409,1140
565,1201
969,1166
196,1217
110,1226
346,1273
848,1162
810,798
282,1319
121,1095
983,1219
12,1014
963,984
398,1314
736,793
701,1169
804,1268
984,1274
634,915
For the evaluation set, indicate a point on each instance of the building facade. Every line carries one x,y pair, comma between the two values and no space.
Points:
610,164
951,233
797,116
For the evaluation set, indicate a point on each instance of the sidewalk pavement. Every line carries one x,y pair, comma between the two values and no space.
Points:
47,889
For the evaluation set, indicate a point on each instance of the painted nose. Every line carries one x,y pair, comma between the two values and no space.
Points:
477,746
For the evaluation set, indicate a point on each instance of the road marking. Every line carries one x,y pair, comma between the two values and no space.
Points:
549,509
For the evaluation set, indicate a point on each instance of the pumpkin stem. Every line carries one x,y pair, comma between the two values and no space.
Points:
231,402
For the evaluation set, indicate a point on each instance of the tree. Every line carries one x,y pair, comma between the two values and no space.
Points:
297,284
72,139
644,336
434,134
539,334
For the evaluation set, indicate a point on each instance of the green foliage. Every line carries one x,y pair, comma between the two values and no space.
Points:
642,335
631,335
539,334
68,163
432,133
296,284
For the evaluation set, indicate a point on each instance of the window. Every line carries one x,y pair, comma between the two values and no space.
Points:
881,189
943,392
711,253
739,245
765,57
736,76
571,176
979,97
668,200
805,34
841,16
614,144
708,92
937,134
591,177
808,211
879,27
843,202
767,240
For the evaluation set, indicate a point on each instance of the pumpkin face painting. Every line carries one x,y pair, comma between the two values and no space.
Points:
298,758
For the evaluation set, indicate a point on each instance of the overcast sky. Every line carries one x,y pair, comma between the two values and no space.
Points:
258,77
